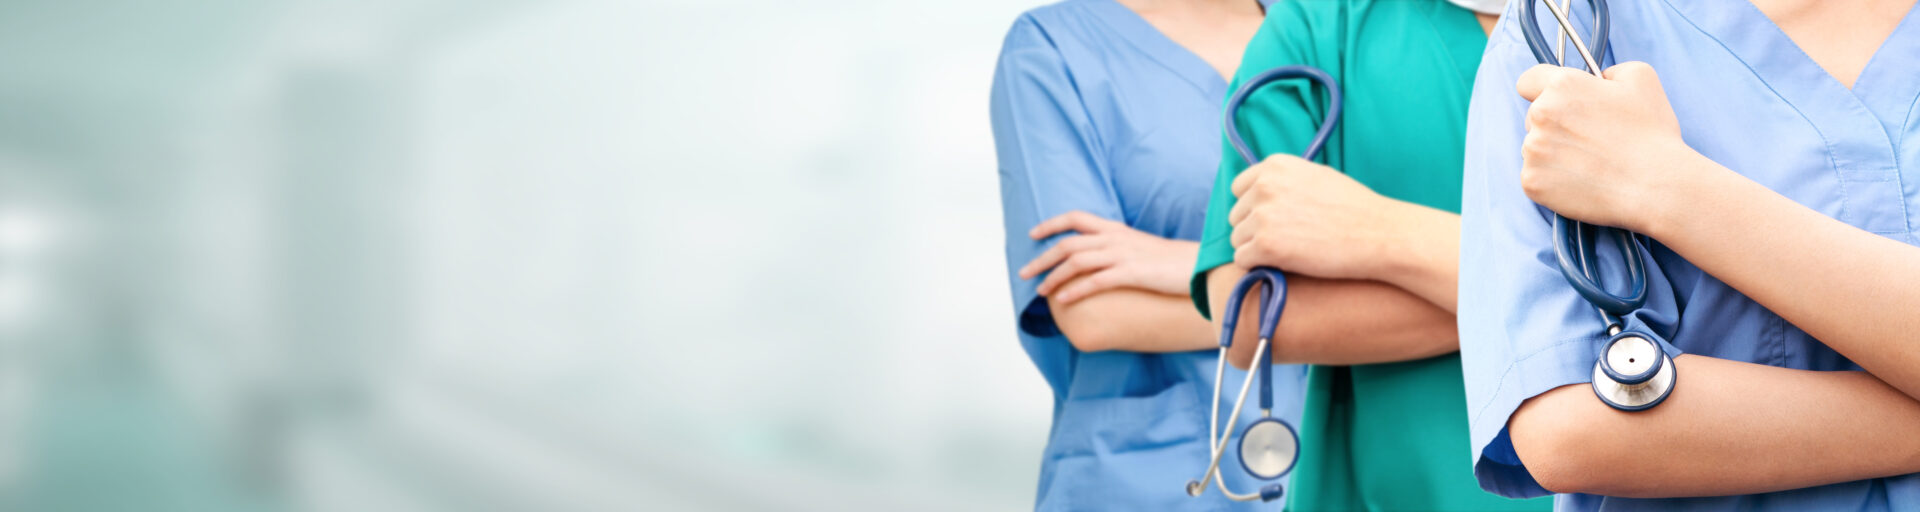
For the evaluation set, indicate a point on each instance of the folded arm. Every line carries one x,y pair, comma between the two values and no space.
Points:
1133,320
1851,289
1732,428
1339,322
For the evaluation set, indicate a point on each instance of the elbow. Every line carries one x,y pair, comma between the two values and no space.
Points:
1089,334
1091,338
1562,444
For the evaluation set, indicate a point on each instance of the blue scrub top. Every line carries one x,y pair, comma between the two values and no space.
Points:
1746,97
1094,109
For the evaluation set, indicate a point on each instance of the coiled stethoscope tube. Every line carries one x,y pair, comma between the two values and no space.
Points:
1633,372
1269,448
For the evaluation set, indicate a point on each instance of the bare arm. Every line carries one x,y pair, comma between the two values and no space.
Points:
1426,260
1133,320
1339,322
1853,290
1310,219
1734,428
1848,288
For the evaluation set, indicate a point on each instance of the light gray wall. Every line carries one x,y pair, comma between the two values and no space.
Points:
446,255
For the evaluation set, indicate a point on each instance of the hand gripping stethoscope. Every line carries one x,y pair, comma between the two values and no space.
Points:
1268,447
1633,372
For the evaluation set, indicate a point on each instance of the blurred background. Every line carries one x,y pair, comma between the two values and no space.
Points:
506,255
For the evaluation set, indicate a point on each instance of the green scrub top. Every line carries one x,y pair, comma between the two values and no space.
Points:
1382,436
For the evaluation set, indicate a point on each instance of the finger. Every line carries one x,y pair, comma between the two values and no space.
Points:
1079,221
1088,285
1632,71
1539,78
1058,252
1244,206
1244,232
1635,74
1245,180
1080,263
1253,254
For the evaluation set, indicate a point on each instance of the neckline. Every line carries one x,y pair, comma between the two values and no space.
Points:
1147,38
1756,39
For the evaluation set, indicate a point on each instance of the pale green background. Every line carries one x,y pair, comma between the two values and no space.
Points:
506,255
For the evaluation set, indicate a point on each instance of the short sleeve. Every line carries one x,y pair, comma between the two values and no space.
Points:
1049,156
1278,118
1523,330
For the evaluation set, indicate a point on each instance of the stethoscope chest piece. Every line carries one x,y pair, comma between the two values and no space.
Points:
1269,448
1632,373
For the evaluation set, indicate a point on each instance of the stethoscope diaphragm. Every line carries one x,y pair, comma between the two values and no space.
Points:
1269,448
1632,373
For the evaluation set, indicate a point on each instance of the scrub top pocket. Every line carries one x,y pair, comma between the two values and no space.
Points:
1130,442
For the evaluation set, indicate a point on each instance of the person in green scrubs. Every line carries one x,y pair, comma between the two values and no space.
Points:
1370,243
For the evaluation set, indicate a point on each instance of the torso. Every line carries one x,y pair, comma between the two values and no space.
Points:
1383,436
1129,428
1822,115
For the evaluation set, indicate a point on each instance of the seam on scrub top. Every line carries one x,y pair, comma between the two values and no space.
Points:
1824,141
1453,65
1523,359
1088,135
1156,58
1906,122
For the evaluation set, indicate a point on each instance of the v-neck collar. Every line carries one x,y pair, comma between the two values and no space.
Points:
1859,127
1162,49
1756,40
1887,84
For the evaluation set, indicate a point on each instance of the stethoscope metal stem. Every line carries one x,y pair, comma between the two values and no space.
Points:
1219,439
1566,27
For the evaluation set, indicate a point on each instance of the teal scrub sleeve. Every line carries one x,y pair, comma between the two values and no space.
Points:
1279,118
1051,159
1523,330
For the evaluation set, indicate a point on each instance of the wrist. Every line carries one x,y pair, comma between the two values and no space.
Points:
1664,204
1400,248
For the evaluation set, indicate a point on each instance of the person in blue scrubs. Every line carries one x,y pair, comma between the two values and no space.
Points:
1108,134
1770,152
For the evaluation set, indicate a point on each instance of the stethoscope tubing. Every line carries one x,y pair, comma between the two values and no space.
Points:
1273,295
1217,439
1575,243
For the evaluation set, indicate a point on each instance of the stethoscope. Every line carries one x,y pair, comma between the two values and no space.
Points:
1633,372
1269,447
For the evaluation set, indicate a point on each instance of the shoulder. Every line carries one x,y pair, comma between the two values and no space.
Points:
1059,40
1300,32
1050,26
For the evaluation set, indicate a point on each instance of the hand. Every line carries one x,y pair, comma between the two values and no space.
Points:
1304,217
1107,255
1598,150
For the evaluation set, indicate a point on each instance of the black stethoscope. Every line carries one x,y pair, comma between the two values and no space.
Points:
1269,447
1633,371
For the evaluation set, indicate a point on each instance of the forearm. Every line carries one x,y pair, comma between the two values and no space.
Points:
1851,289
1426,260
1338,322
1731,428
1133,320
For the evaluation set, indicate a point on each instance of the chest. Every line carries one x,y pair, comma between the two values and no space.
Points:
1160,145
